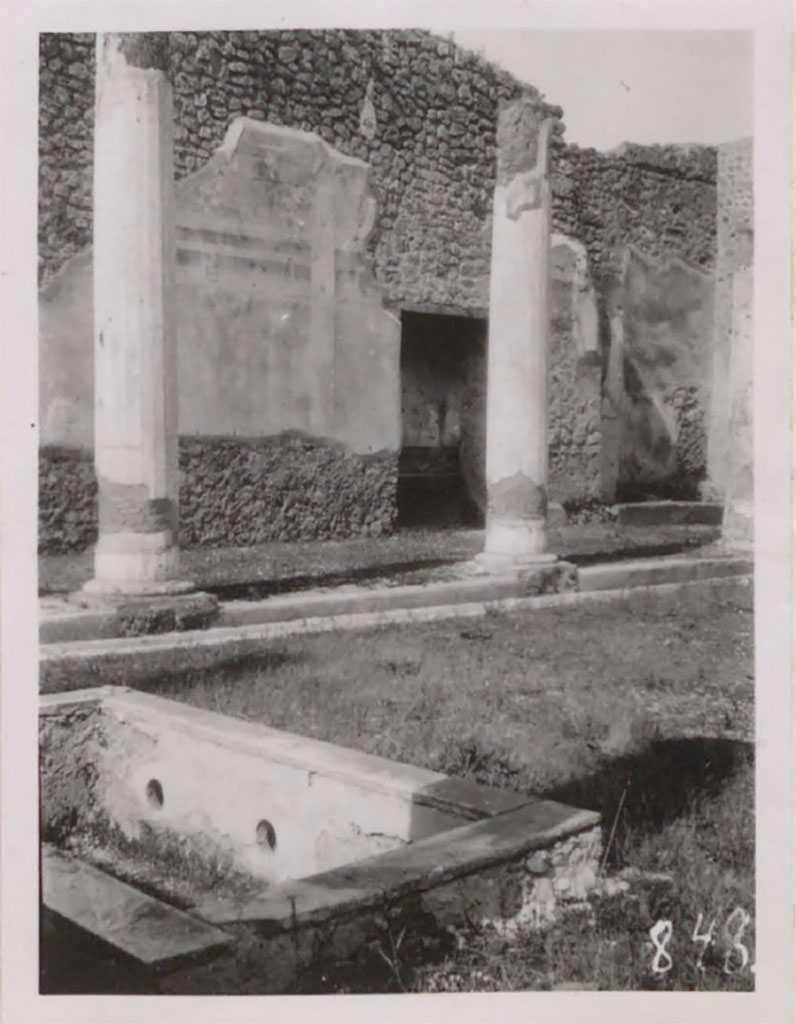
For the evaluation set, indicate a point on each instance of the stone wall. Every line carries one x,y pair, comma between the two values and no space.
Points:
235,491
647,217
660,199
422,113
575,435
657,390
419,110
67,499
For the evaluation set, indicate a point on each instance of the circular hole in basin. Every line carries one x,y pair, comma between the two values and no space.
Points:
266,834
154,794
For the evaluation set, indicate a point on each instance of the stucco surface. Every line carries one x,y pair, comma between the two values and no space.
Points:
658,387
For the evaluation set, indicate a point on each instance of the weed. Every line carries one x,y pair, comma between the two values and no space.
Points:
469,758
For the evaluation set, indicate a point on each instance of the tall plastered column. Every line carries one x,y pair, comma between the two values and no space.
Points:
738,527
516,421
322,304
135,418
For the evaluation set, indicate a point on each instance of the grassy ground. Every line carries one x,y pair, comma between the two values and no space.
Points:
642,710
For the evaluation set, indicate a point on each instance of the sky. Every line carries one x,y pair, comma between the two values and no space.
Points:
647,87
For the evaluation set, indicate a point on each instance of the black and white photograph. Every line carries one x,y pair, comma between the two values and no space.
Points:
396,512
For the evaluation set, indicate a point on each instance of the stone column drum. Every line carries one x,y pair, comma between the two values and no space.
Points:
135,418
516,422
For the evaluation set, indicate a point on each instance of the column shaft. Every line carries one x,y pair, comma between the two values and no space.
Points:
135,425
516,442
322,305
738,527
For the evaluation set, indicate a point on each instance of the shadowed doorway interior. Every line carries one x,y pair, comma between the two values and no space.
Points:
443,406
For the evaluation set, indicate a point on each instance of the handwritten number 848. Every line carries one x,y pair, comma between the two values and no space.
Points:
736,957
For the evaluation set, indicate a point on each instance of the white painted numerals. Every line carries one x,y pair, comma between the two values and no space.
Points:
736,957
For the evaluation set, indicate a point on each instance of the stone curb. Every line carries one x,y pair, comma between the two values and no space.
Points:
90,625
225,639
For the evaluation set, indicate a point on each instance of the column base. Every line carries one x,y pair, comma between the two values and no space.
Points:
545,574
732,544
123,590
500,561
517,548
511,541
140,564
135,613
738,527
136,582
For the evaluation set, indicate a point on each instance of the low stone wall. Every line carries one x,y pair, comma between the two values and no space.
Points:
533,891
236,492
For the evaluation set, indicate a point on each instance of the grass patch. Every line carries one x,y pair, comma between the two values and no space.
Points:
534,701
640,709
692,879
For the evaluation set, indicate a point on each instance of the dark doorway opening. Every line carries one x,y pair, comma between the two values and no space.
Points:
443,407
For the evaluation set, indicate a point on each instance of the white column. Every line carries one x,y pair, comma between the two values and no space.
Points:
738,525
135,386
322,299
517,369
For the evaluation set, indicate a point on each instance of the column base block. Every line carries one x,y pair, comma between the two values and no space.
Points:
738,527
117,590
544,574
161,611
733,545
516,540
501,561
137,563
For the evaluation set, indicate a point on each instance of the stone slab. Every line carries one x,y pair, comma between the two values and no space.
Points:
670,513
476,585
423,865
652,571
148,930
85,615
